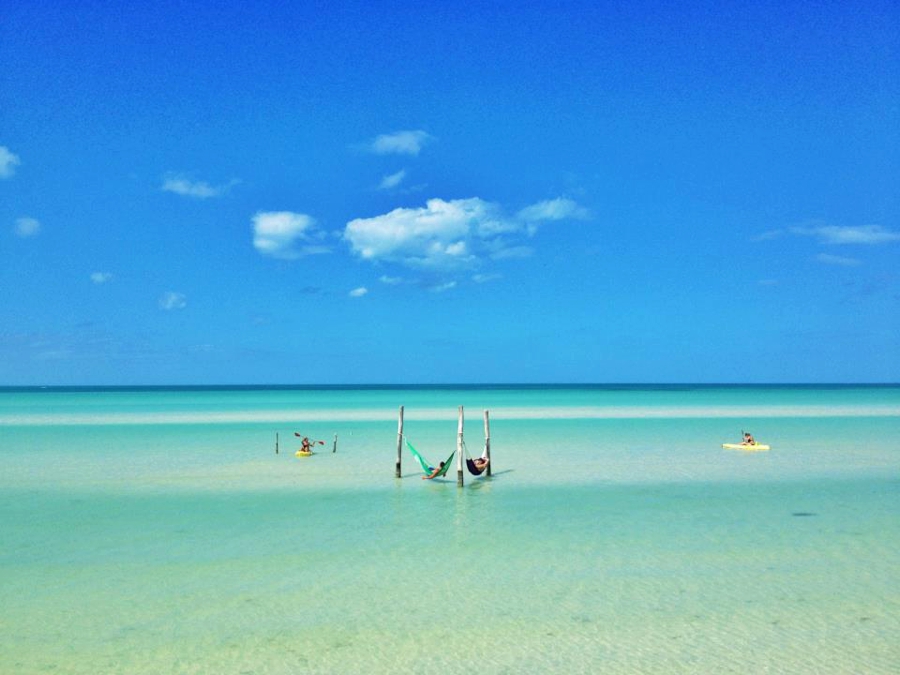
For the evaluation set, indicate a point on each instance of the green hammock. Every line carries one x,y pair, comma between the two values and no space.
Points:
426,467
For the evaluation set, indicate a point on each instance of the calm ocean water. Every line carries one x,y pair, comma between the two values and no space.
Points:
157,531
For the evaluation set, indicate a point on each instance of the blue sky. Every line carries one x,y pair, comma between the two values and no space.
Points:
371,192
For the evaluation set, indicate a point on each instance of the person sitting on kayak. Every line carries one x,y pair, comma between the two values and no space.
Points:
434,472
748,439
305,445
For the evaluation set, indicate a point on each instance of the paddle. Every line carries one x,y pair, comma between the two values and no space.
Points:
299,435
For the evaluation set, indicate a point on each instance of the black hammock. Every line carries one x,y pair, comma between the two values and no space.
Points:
474,469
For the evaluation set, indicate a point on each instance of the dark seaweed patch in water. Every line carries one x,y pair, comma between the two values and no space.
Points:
803,514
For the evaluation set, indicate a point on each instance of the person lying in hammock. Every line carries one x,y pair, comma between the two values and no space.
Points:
434,472
481,463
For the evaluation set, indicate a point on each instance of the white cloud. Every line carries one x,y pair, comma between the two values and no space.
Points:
455,234
27,227
173,300
552,210
400,143
101,277
8,162
837,260
286,235
842,234
440,235
199,189
390,281
440,288
358,292
393,180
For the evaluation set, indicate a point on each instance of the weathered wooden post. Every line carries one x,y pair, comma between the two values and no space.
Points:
399,441
276,442
459,450
487,440
334,447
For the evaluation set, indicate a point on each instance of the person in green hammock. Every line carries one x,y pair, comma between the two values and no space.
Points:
435,472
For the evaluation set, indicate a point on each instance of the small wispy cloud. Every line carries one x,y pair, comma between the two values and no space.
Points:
512,253
358,292
101,277
768,235
287,235
560,208
842,261
390,281
27,227
8,162
393,180
400,143
172,300
845,234
182,185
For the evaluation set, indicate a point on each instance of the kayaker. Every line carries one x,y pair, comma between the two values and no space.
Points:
305,446
748,439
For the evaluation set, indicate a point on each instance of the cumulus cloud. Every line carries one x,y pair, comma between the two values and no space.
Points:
400,143
101,277
843,234
553,209
181,185
454,234
27,227
8,162
286,235
393,180
438,235
358,292
172,300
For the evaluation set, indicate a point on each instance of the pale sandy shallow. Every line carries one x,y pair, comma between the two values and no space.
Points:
426,578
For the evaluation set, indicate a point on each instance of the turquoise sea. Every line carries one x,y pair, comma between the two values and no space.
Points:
156,530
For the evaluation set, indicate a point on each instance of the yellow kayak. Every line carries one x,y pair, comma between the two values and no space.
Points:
303,453
749,447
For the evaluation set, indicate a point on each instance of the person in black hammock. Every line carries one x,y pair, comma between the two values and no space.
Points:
481,463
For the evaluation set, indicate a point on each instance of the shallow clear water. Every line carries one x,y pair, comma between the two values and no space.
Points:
158,532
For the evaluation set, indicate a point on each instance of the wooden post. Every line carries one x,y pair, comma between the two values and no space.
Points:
334,447
487,440
399,441
276,442
459,450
